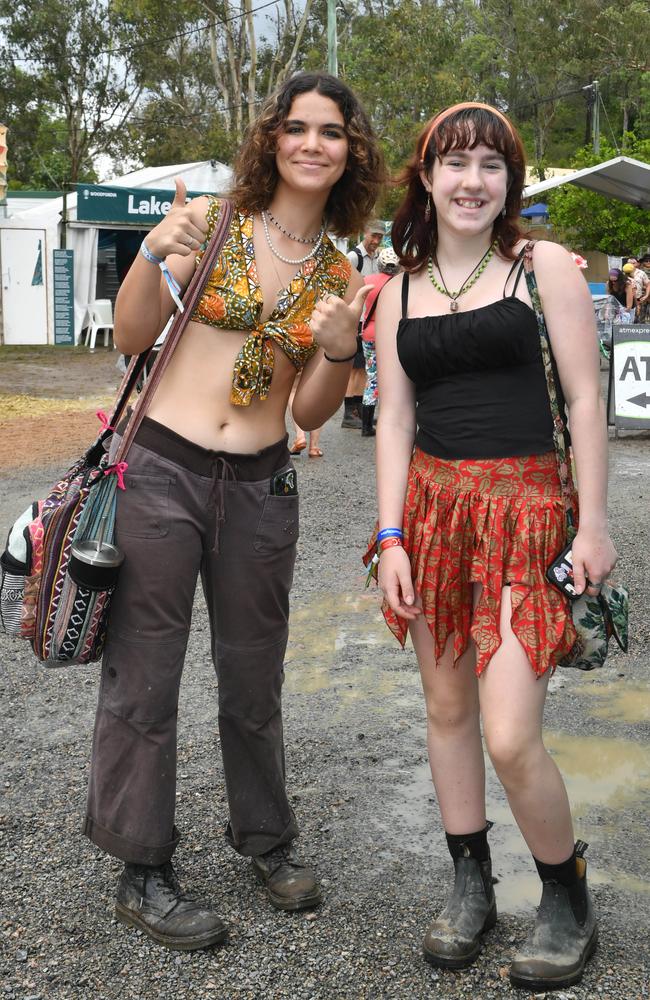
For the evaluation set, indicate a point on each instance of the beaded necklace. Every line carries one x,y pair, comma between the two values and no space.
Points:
470,280
307,240
289,260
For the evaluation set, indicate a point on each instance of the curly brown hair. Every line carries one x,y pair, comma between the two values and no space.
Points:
352,199
414,239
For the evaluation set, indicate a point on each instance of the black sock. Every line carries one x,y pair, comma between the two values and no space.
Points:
476,844
565,873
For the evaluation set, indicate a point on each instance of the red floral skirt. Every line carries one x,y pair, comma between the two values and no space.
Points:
496,522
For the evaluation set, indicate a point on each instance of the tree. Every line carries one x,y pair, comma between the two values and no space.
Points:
590,221
69,53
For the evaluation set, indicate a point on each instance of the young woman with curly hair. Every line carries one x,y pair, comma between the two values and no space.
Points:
471,517
211,490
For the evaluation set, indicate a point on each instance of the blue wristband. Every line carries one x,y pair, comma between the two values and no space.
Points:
389,533
172,284
148,255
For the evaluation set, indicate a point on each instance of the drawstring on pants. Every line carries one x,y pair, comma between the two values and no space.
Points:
222,471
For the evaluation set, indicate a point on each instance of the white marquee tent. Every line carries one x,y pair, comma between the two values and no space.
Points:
29,236
622,178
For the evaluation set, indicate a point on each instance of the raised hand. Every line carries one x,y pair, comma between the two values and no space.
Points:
334,323
182,231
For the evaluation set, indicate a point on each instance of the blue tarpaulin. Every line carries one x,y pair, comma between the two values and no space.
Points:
539,208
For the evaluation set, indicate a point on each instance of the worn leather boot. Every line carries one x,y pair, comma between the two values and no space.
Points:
151,899
351,419
564,937
290,884
453,940
367,417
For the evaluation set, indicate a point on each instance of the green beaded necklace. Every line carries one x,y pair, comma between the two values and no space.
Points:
470,280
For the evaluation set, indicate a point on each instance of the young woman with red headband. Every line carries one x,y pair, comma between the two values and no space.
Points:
471,517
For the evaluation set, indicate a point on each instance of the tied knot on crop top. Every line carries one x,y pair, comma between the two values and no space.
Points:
480,383
232,300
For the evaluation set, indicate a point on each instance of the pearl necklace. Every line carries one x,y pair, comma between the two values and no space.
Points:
308,240
289,260
476,272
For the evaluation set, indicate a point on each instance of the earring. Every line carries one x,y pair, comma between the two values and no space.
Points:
503,212
427,209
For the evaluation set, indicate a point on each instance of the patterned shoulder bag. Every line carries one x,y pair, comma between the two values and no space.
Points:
596,619
60,567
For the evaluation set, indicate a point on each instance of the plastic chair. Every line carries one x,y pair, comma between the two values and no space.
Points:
101,319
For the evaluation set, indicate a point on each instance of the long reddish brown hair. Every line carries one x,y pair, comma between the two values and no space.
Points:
413,238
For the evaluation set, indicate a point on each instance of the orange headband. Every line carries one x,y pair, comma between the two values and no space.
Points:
440,117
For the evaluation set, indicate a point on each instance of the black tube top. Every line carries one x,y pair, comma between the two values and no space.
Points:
479,381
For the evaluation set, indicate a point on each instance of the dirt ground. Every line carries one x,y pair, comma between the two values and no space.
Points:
357,769
48,402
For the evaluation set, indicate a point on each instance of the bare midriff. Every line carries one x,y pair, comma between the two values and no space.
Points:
193,398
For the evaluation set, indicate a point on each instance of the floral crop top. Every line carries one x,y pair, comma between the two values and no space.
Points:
232,300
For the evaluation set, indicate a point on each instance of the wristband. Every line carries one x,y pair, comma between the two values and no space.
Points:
172,284
389,533
339,361
148,255
389,543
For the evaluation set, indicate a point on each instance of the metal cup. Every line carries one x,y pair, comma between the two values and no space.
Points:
95,564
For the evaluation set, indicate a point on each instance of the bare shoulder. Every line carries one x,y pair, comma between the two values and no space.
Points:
549,256
391,293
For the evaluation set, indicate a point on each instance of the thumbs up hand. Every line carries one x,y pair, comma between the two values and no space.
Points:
183,230
334,323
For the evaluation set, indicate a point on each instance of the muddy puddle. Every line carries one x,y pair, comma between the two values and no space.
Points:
603,774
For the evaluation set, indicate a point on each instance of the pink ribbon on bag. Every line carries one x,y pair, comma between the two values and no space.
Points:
119,469
103,419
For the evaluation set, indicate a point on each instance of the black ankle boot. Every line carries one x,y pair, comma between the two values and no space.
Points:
367,416
151,899
453,940
564,937
351,418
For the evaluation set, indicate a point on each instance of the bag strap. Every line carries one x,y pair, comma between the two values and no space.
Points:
191,298
560,434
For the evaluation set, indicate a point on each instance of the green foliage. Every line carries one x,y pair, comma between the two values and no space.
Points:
590,221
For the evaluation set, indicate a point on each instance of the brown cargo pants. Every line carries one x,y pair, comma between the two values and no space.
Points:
187,511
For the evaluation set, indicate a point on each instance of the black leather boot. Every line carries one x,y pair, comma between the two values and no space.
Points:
367,421
351,418
564,937
151,899
290,884
453,940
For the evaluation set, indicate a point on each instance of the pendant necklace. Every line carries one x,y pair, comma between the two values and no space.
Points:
470,280
289,260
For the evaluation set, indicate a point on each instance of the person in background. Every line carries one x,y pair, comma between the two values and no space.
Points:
388,263
621,286
211,492
471,518
363,258
641,288
300,437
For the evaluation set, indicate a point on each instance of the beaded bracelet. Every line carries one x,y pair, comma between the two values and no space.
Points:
389,543
389,533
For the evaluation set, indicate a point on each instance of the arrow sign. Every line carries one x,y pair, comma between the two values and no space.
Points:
641,400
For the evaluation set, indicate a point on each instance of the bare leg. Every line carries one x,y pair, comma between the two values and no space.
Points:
314,438
453,732
512,705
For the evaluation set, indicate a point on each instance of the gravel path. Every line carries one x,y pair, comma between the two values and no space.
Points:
358,779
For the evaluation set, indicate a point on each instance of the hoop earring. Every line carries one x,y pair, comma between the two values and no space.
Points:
427,209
